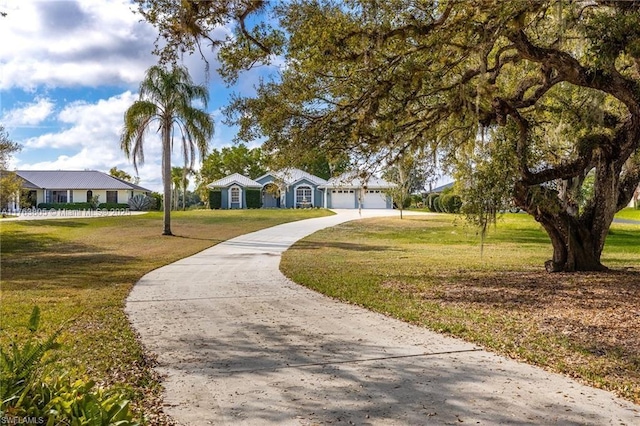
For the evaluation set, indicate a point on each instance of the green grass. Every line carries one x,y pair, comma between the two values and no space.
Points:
629,213
81,270
429,270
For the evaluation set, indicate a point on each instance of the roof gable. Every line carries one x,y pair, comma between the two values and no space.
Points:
237,179
291,176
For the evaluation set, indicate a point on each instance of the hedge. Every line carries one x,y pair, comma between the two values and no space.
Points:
215,199
65,206
450,203
109,206
254,198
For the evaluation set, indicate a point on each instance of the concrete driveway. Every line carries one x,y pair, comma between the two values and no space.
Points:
240,344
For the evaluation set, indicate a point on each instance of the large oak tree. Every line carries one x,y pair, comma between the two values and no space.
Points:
540,94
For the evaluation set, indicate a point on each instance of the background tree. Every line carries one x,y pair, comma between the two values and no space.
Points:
180,182
166,98
229,160
10,183
121,174
555,84
410,170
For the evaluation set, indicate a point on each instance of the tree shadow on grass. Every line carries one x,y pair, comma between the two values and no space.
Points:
596,313
66,223
35,261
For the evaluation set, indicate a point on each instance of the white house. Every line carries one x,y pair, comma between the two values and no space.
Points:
74,186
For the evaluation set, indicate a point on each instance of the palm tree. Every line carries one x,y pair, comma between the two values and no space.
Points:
180,182
166,97
176,184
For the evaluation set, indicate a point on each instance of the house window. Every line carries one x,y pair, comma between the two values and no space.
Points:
112,196
303,196
59,196
89,196
235,194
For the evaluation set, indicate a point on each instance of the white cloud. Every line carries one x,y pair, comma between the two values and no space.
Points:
29,115
68,43
85,124
91,140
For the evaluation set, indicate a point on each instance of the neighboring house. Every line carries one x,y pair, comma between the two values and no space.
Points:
291,188
71,186
233,190
351,192
294,188
635,200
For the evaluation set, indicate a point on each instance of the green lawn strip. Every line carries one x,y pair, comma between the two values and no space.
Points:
429,271
629,213
80,271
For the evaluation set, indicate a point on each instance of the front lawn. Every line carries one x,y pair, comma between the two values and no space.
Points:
629,213
83,269
429,270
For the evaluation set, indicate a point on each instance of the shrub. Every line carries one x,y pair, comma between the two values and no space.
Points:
142,202
94,201
27,391
417,200
429,201
254,198
58,399
158,197
215,199
65,206
450,203
109,206
20,365
437,204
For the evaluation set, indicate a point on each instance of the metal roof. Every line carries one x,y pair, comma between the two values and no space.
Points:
236,178
291,175
75,179
443,187
349,180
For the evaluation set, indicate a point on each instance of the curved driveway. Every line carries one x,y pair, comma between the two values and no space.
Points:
241,344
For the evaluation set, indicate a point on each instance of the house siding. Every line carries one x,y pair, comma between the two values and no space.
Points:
80,195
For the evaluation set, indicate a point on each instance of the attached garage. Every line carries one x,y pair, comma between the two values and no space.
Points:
343,199
374,199
348,191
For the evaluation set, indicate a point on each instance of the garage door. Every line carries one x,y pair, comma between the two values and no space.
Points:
343,199
375,199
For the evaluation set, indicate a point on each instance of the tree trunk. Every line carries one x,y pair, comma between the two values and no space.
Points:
574,246
578,241
166,177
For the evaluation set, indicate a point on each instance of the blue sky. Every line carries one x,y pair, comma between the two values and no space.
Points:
69,70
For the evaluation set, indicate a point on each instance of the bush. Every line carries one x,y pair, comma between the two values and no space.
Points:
109,206
429,201
27,391
215,199
65,206
254,198
417,200
450,203
158,197
142,202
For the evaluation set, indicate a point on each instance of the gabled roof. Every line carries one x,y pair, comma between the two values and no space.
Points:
236,178
74,179
291,175
350,180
